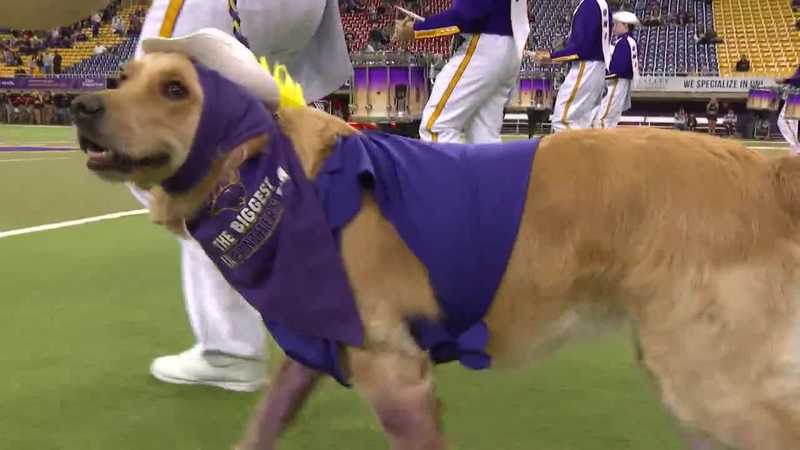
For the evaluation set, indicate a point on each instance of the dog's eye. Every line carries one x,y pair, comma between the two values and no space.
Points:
174,90
123,77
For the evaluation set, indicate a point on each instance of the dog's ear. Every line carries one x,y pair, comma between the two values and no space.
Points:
230,165
785,173
313,134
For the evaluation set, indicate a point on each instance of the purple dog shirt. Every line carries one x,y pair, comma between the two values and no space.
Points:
457,207
266,231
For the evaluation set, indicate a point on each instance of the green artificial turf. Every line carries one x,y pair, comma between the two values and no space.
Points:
86,308
37,135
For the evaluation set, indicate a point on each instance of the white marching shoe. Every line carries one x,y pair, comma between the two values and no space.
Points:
212,369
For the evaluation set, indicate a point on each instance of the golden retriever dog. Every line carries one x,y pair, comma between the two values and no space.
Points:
693,238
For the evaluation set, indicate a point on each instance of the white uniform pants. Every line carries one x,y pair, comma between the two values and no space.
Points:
471,91
579,95
788,129
616,101
222,321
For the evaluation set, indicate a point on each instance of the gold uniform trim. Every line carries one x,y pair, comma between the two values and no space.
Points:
608,105
565,58
473,44
437,32
573,94
170,18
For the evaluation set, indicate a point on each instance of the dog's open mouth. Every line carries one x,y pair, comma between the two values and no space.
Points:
103,159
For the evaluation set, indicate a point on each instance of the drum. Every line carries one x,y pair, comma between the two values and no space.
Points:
792,105
388,87
535,91
763,100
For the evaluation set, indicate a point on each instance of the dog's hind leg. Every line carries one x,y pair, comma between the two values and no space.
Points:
726,366
695,440
692,439
400,389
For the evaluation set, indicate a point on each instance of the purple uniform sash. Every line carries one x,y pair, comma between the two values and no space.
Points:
457,207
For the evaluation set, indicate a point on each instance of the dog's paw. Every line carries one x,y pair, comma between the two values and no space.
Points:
251,443
247,447
241,446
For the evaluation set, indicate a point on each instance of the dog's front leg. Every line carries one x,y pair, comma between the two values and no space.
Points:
401,390
276,411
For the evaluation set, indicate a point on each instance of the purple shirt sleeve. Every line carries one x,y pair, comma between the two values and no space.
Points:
584,27
463,14
621,65
794,80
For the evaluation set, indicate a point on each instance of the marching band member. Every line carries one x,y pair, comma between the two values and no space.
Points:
589,54
470,93
623,71
788,127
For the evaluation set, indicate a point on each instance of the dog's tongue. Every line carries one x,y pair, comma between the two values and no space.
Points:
103,160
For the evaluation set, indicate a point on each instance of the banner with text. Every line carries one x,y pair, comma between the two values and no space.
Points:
707,85
80,84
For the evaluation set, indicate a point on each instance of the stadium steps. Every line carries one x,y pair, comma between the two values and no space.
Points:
664,50
358,25
80,51
763,30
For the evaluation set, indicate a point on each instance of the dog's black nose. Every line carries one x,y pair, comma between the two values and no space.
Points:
88,107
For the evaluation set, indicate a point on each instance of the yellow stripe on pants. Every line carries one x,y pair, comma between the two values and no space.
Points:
170,18
473,44
610,101
573,94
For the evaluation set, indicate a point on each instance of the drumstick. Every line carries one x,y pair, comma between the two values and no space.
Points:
414,16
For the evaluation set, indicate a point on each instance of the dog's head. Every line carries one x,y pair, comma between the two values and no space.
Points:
142,131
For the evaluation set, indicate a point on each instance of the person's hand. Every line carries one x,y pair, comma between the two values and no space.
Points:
403,31
542,56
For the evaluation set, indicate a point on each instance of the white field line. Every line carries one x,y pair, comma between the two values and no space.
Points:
33,159
38,152
46,146
71,223
17,125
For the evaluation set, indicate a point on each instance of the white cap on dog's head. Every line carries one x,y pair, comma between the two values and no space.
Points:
626,17
223,53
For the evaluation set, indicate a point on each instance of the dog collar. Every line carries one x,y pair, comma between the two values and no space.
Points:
230,117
